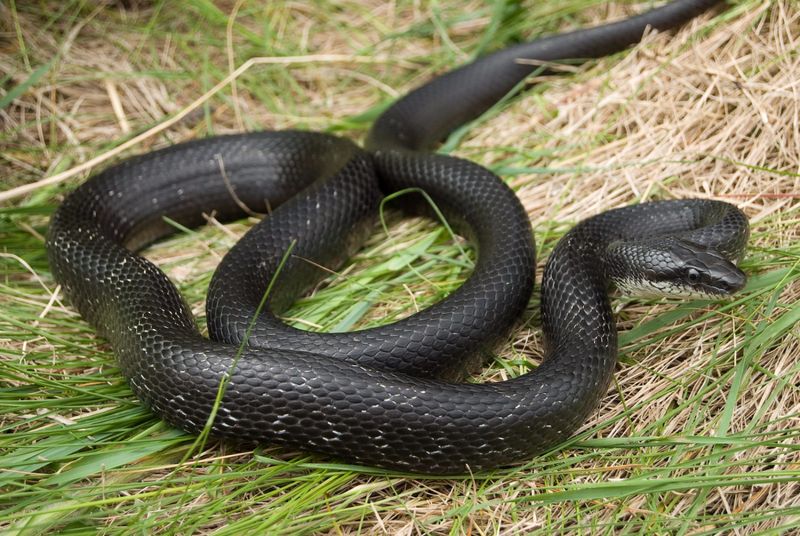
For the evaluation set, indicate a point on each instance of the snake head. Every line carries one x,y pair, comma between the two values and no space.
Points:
672,266
704,271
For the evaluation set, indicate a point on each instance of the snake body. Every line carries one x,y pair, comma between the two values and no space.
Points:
380,396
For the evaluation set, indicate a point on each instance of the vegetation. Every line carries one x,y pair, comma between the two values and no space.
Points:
699,434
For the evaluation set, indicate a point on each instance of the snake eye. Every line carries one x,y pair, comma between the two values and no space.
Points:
693,276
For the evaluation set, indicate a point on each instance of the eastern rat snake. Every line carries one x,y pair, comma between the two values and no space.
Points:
378,396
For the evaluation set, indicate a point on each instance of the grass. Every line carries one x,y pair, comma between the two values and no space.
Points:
700,433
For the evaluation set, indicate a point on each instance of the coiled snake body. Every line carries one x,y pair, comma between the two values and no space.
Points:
379,396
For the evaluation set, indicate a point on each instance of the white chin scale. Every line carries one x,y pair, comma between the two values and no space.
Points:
646,288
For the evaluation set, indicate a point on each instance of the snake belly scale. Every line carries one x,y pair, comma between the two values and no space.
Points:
379,397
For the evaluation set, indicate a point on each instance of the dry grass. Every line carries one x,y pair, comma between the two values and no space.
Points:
699,434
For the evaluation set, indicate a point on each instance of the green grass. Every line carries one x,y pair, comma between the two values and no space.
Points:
700,434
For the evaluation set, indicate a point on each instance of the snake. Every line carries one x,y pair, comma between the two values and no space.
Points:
393,396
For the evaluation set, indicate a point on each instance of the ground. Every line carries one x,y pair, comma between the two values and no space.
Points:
699,433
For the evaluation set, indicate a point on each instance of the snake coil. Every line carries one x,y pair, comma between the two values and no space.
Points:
381,396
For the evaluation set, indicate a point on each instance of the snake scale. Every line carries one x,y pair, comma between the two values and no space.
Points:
386,396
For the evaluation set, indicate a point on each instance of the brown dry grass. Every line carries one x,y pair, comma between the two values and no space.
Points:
702,113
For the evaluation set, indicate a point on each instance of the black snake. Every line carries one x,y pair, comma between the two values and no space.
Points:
382,396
